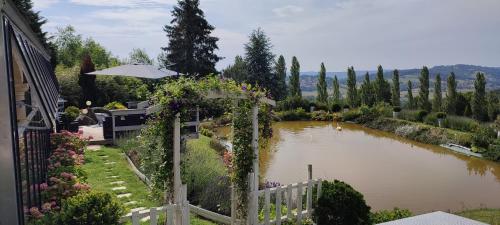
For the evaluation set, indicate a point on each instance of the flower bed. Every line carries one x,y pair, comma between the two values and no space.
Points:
66,179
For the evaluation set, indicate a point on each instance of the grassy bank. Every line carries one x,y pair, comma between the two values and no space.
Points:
490,216
100,178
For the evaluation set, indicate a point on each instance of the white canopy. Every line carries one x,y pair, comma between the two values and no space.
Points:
136,70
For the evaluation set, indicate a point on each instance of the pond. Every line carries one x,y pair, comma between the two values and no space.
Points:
390,171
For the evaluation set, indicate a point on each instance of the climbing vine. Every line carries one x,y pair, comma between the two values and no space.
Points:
183,95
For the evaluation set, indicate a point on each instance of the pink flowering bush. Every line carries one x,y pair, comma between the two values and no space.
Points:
66,178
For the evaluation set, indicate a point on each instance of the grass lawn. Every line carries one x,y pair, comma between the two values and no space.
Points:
489,216
99,173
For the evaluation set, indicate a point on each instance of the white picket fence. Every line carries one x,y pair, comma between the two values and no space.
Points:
292,196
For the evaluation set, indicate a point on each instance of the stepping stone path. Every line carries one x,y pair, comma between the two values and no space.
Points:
124,195
119,185
117,182
119,188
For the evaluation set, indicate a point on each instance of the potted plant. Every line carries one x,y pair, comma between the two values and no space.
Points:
395,112
441,116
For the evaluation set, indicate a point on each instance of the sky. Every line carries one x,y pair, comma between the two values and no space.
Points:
361,33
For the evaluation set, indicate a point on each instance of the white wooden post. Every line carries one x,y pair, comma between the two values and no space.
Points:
153,216
255,146
252,208
177,169
114,127
289,203
267,201
135,217
299,203
278,205
170,214
309,191
185,206
233,206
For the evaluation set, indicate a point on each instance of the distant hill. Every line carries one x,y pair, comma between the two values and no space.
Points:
465,75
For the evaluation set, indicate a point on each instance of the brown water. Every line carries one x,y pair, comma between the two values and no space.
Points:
390,171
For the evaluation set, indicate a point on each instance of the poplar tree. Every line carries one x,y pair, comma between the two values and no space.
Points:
336,90
321,86
478,104
367,97
351,87
280,71
395,89
438,95
295,78
423,94
191,48
451,95
411,101
382,87
493,106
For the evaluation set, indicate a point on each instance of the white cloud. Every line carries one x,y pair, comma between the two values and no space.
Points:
124,3
43,4
287,10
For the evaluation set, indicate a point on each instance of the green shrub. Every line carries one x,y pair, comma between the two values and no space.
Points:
483,137
493,152
114,106
204,172
294,222
72,112
335,107
297,114
292,103
390,215
461,123
321,116
410,115
340,204
421,114
431,119
91,208
320,106
441,115
206,132
351,115
396,109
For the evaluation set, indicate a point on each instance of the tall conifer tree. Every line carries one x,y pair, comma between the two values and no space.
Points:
280,71
395,89
423,94
191,48
438,95
451,94
367,97
337,97
321,86
382,87
237,71
295,78
352,90
259,60
411,100
478,104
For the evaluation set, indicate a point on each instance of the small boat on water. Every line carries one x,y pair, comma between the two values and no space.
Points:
461,149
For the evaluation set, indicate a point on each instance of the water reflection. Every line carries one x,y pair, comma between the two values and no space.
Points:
389,170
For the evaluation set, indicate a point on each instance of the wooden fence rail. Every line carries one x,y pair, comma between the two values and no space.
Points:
290,196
